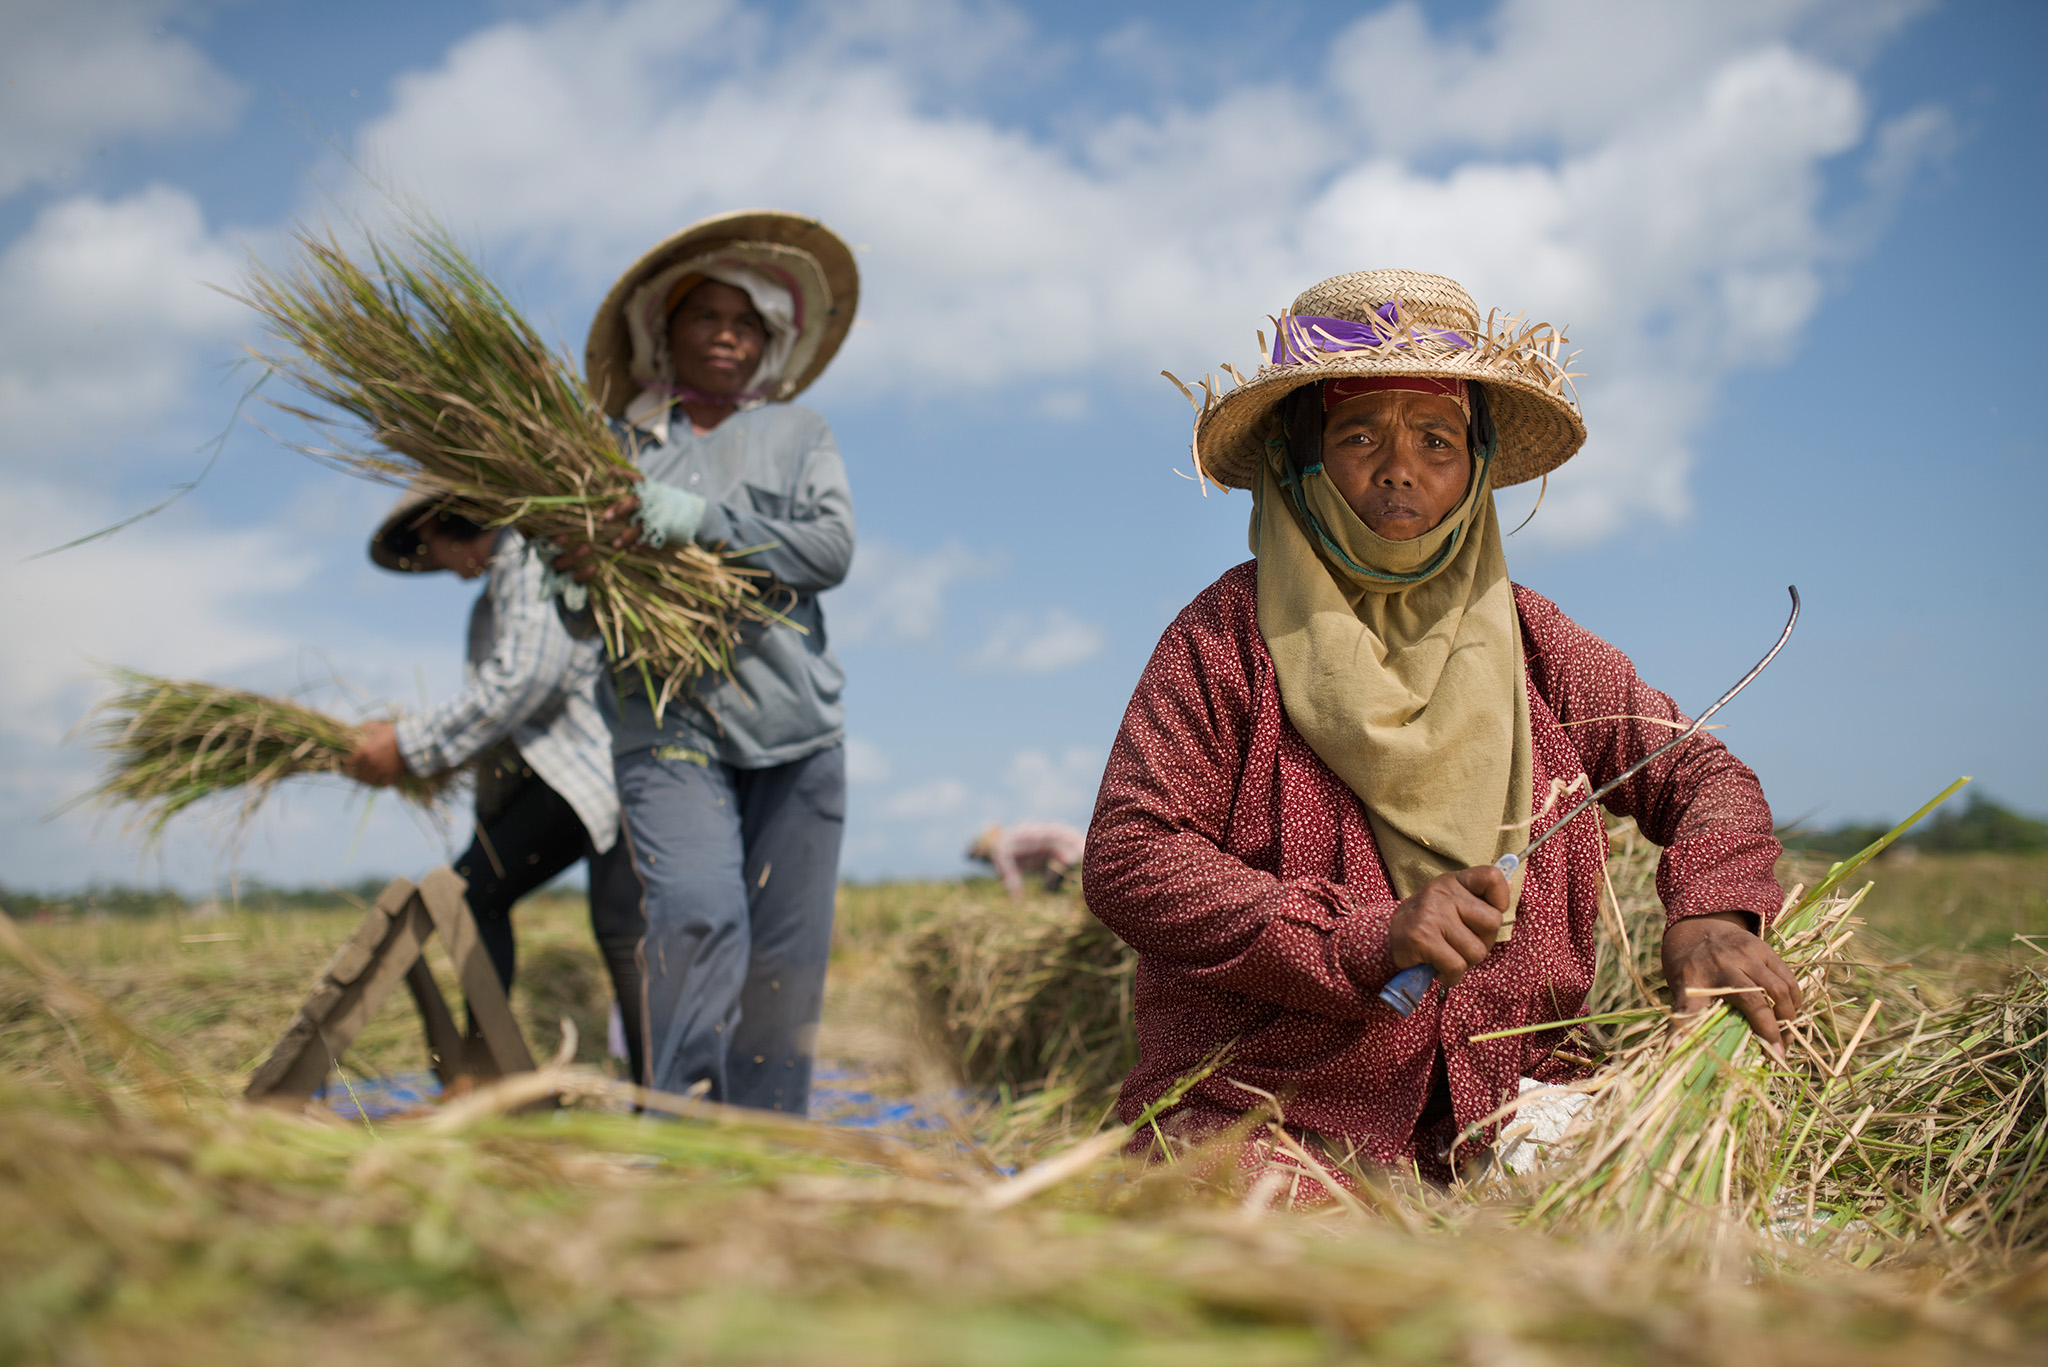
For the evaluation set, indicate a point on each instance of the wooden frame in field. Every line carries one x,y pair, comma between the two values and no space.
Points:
388,948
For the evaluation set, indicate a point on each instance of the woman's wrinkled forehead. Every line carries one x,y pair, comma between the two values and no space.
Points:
1357,386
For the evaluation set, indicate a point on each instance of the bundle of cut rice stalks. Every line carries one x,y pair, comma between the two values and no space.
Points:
173,743
1696,1127
415,348
1685,1119
1933,1147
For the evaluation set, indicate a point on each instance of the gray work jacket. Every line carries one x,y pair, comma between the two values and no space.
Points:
774,479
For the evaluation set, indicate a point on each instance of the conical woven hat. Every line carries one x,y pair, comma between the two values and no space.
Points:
1426,325
805,250
395,545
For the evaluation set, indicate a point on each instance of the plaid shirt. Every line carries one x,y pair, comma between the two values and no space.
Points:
529,681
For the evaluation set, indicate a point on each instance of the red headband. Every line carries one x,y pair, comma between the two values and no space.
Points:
1342,391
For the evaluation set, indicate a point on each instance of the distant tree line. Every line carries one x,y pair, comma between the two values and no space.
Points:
251,895
1978,826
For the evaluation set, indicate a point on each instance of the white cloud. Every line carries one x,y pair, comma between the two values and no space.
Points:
866,762
163,598
938,800
933,821
1905,147
1650,176
1063,405
77,74
1054,787
106,313
897,596
1037,643
1568,73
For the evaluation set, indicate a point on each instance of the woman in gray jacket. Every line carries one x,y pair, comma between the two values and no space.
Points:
735,799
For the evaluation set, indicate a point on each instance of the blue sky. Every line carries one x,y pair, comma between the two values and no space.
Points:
1796,242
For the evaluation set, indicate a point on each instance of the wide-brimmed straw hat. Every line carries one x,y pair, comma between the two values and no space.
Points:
801,254
1399,322
396,544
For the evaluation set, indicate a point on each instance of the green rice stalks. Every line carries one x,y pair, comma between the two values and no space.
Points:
1684,1117
415,348
172,744
1700,1122
1935,1145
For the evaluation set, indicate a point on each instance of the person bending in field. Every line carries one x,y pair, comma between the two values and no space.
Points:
1045,848
735,797
527,720
1333,743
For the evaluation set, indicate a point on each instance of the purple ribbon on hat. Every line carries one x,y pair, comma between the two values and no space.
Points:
1300,334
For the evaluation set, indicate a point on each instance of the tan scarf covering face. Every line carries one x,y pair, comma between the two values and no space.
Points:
1413,693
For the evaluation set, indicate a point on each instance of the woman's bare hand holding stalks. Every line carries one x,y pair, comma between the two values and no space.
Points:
376,760
1451,923
575,559
1703,953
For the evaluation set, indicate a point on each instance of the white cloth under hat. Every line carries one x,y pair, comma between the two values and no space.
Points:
647,317
799,274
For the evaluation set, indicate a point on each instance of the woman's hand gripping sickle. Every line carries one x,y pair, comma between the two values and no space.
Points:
1450,925
1447,928
1700,959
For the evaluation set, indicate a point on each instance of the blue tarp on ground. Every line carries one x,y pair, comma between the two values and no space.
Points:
373,1098
837,1098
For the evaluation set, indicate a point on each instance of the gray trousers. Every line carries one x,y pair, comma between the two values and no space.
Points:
738,868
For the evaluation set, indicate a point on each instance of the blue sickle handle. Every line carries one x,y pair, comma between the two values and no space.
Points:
1405,990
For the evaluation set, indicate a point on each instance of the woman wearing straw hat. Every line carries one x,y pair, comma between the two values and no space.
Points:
527,719
1334,742
735,797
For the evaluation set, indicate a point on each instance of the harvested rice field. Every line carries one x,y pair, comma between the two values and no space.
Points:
1883,1195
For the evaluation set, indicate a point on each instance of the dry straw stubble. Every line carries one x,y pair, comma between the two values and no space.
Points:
238,1234
414,348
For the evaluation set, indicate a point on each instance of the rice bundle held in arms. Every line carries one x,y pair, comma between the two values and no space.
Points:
420,349
175,743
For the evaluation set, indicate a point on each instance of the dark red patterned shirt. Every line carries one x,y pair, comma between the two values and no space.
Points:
1245,874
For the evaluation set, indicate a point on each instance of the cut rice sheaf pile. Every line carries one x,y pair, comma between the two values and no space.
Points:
1895,1131
1028,997
413,349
